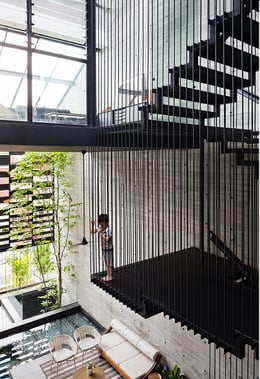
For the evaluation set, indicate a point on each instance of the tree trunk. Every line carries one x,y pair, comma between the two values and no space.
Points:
60,289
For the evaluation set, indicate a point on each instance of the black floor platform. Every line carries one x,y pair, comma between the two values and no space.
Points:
157,134
201,291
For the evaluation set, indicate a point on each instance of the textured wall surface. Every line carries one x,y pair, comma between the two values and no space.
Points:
194,355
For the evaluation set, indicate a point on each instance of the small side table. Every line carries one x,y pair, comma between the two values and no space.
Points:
82,373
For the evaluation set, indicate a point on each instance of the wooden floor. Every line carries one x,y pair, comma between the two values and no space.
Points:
198,290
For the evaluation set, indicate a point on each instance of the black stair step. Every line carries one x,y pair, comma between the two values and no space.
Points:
210,76
227,19
250,31
176,127
178,111
228,55
195,95
232,27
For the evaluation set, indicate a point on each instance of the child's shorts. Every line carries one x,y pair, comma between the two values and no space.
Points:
108,256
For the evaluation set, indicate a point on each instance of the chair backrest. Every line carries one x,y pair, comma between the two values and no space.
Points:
62,341
85,332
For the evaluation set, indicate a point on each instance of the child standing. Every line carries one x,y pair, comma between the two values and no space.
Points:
105,236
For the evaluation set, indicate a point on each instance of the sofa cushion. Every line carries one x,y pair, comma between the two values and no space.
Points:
148,349
131,336
122,352
136,366
109,340
118,326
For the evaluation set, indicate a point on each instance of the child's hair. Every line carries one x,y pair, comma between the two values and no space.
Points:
103,217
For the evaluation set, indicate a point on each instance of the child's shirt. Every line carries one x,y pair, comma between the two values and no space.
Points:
107,245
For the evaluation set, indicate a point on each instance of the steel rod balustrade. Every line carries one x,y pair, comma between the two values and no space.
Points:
186,169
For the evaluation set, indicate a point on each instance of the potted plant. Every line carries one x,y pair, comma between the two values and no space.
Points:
175,373
90,367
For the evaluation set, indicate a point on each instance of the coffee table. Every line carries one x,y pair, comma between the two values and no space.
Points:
82,373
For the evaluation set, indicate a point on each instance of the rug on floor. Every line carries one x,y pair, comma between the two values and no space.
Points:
66,369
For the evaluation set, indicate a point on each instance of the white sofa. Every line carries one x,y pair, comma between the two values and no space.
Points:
127,352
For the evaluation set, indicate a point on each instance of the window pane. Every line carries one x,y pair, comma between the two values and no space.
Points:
60,19
59,90
13,60
59,48
15,38
13,76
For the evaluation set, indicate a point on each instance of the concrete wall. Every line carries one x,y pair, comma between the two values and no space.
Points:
197,358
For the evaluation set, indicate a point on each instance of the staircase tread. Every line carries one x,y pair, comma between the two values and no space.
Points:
210,76
250,31
195,95
178,111
231,26
228,55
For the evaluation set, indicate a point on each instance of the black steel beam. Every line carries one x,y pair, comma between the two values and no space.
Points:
19,134
39,320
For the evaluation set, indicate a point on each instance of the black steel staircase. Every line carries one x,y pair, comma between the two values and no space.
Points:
229,70
237,25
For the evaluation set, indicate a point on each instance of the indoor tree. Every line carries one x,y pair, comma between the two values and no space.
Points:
44,213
